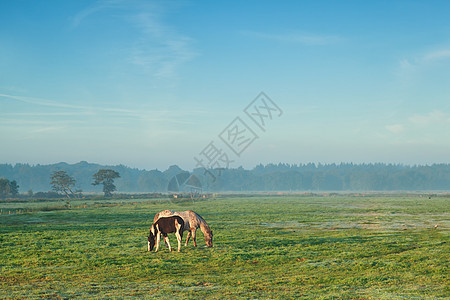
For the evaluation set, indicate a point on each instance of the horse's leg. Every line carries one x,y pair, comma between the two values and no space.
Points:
188,237
158,238
166,238
193,237
179,237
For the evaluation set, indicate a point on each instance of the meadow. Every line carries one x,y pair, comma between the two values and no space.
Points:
265,247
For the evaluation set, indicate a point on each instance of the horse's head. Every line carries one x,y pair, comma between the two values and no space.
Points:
151,242
151,237
209,239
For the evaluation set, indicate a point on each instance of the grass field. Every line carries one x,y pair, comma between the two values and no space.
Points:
283,247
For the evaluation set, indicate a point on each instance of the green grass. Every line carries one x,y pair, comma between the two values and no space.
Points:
341,247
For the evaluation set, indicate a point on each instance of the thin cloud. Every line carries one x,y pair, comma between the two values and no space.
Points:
98,6
414,63
78,18
44,102
48,129
411,72
115,113
306,39
158,48
395,128
437,55
434,117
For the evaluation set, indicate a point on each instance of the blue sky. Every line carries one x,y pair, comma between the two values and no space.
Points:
149,84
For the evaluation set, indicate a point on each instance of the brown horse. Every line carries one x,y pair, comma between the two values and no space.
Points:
163,226
192,221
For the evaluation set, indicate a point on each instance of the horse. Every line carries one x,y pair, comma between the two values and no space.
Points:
163,226
192,221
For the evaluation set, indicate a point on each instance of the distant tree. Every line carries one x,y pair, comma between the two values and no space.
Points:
106,177
8,188
14,188
61,182
5,188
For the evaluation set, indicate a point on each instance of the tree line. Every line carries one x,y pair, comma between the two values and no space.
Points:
270,177
335,177
63,182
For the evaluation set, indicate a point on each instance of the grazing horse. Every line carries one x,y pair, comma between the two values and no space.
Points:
192,221
163,226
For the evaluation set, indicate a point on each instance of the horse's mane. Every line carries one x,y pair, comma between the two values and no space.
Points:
200,220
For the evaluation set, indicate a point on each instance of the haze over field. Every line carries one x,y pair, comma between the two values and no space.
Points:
149,84
268,178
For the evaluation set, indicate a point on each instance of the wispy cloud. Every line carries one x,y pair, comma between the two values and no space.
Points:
412,64
48,129
159,49
437,55
306,39
426,126
414,72
75,113
433,117
97,6
395,128
44,102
